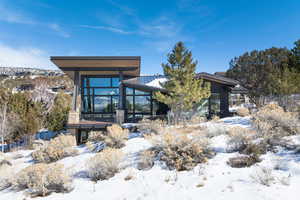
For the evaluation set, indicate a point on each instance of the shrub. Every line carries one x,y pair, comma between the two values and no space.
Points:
116,136
239,138
272,121
5,162
263,175
58,115
215,118
147,126
197,119
215,129
58,148
255,148
6,175
42,179
243,112
37,144
146,160
243,161
105,164
181,152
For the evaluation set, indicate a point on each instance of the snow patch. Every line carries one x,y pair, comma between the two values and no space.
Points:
157,82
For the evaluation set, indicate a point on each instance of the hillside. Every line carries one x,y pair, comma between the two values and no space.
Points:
212,180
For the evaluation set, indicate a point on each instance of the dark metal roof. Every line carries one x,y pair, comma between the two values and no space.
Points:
217,78
95,58
142,81
238,89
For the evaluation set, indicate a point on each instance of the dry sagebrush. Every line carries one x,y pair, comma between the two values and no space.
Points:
146,160
263,176
181,151
243,112
58,148
272,121
243,161
239,138
6,174
116,136
105,164
147,126
42,179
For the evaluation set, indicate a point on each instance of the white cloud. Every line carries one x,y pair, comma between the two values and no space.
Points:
18,17
13,16
107,28
24,57
160,27
57,28
125,9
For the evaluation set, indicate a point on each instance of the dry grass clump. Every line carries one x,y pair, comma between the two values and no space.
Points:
215,118
184,129
239,138
147,126
95,136
116,136
146,160
263,175
272,121
58,148
181,152
197,119
242,112
243,161
215,130
6,174
39,144
42,179
105,164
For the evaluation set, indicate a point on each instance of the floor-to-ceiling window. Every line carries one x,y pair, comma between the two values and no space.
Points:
138,104
100,97
215,104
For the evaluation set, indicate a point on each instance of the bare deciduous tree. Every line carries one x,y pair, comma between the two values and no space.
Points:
4,126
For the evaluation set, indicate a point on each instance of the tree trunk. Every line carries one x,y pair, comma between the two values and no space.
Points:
2,142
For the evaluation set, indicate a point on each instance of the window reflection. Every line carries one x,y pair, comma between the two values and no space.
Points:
102,104
215,103
106,91
100,96
202,107
100,82
142,104
138,104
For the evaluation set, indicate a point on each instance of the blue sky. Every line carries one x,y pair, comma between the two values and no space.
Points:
215,30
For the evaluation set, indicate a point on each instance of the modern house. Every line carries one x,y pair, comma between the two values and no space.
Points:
110,89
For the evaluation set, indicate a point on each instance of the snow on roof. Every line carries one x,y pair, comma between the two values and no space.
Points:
157,82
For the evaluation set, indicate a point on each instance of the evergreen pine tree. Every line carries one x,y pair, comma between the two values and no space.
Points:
184,90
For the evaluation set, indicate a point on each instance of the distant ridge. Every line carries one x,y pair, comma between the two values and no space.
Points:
19,71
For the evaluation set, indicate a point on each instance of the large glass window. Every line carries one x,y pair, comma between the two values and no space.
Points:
100,82
142,104
215,103
138,104
202,107
100,96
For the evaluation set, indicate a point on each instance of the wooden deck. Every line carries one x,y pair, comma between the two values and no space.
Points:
85,124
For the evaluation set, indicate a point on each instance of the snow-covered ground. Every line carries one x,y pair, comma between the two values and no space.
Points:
212,180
